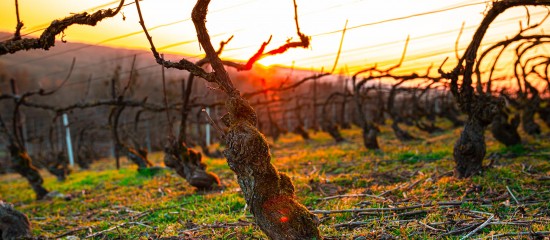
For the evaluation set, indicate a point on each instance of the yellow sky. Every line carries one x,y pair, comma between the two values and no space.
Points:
253,21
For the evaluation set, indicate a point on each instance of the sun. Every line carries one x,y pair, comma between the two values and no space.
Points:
267,62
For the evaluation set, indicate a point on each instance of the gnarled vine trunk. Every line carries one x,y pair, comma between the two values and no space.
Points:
429,127
269,193
22,164
369,129
326,124
401,134
299,129
188,164
470,148
13,224
505,131
344,122
528,118
137,156
428,111
332,130
59,165
370,136
544,113
84,153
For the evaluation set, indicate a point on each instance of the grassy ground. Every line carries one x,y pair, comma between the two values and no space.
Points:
405,191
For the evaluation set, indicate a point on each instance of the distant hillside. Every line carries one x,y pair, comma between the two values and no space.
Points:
55,62
100,62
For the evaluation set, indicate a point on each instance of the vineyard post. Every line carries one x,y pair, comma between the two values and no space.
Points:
68,138
207,128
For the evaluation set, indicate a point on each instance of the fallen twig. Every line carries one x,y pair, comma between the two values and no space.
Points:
542,233
512,195
352,196
460,230
429,227
402,186
72,231
351,224
391,190
359,210
478,228
412,185
115,228
147,212
240,223
405,214
362,223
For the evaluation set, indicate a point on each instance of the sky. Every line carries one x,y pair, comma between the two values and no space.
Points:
376,34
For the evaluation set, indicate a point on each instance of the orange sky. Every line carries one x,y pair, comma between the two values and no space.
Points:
253,21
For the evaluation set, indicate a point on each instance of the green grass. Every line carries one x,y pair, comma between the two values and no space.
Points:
414,157
154,205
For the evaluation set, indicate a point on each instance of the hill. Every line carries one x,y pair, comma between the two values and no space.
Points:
99,60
